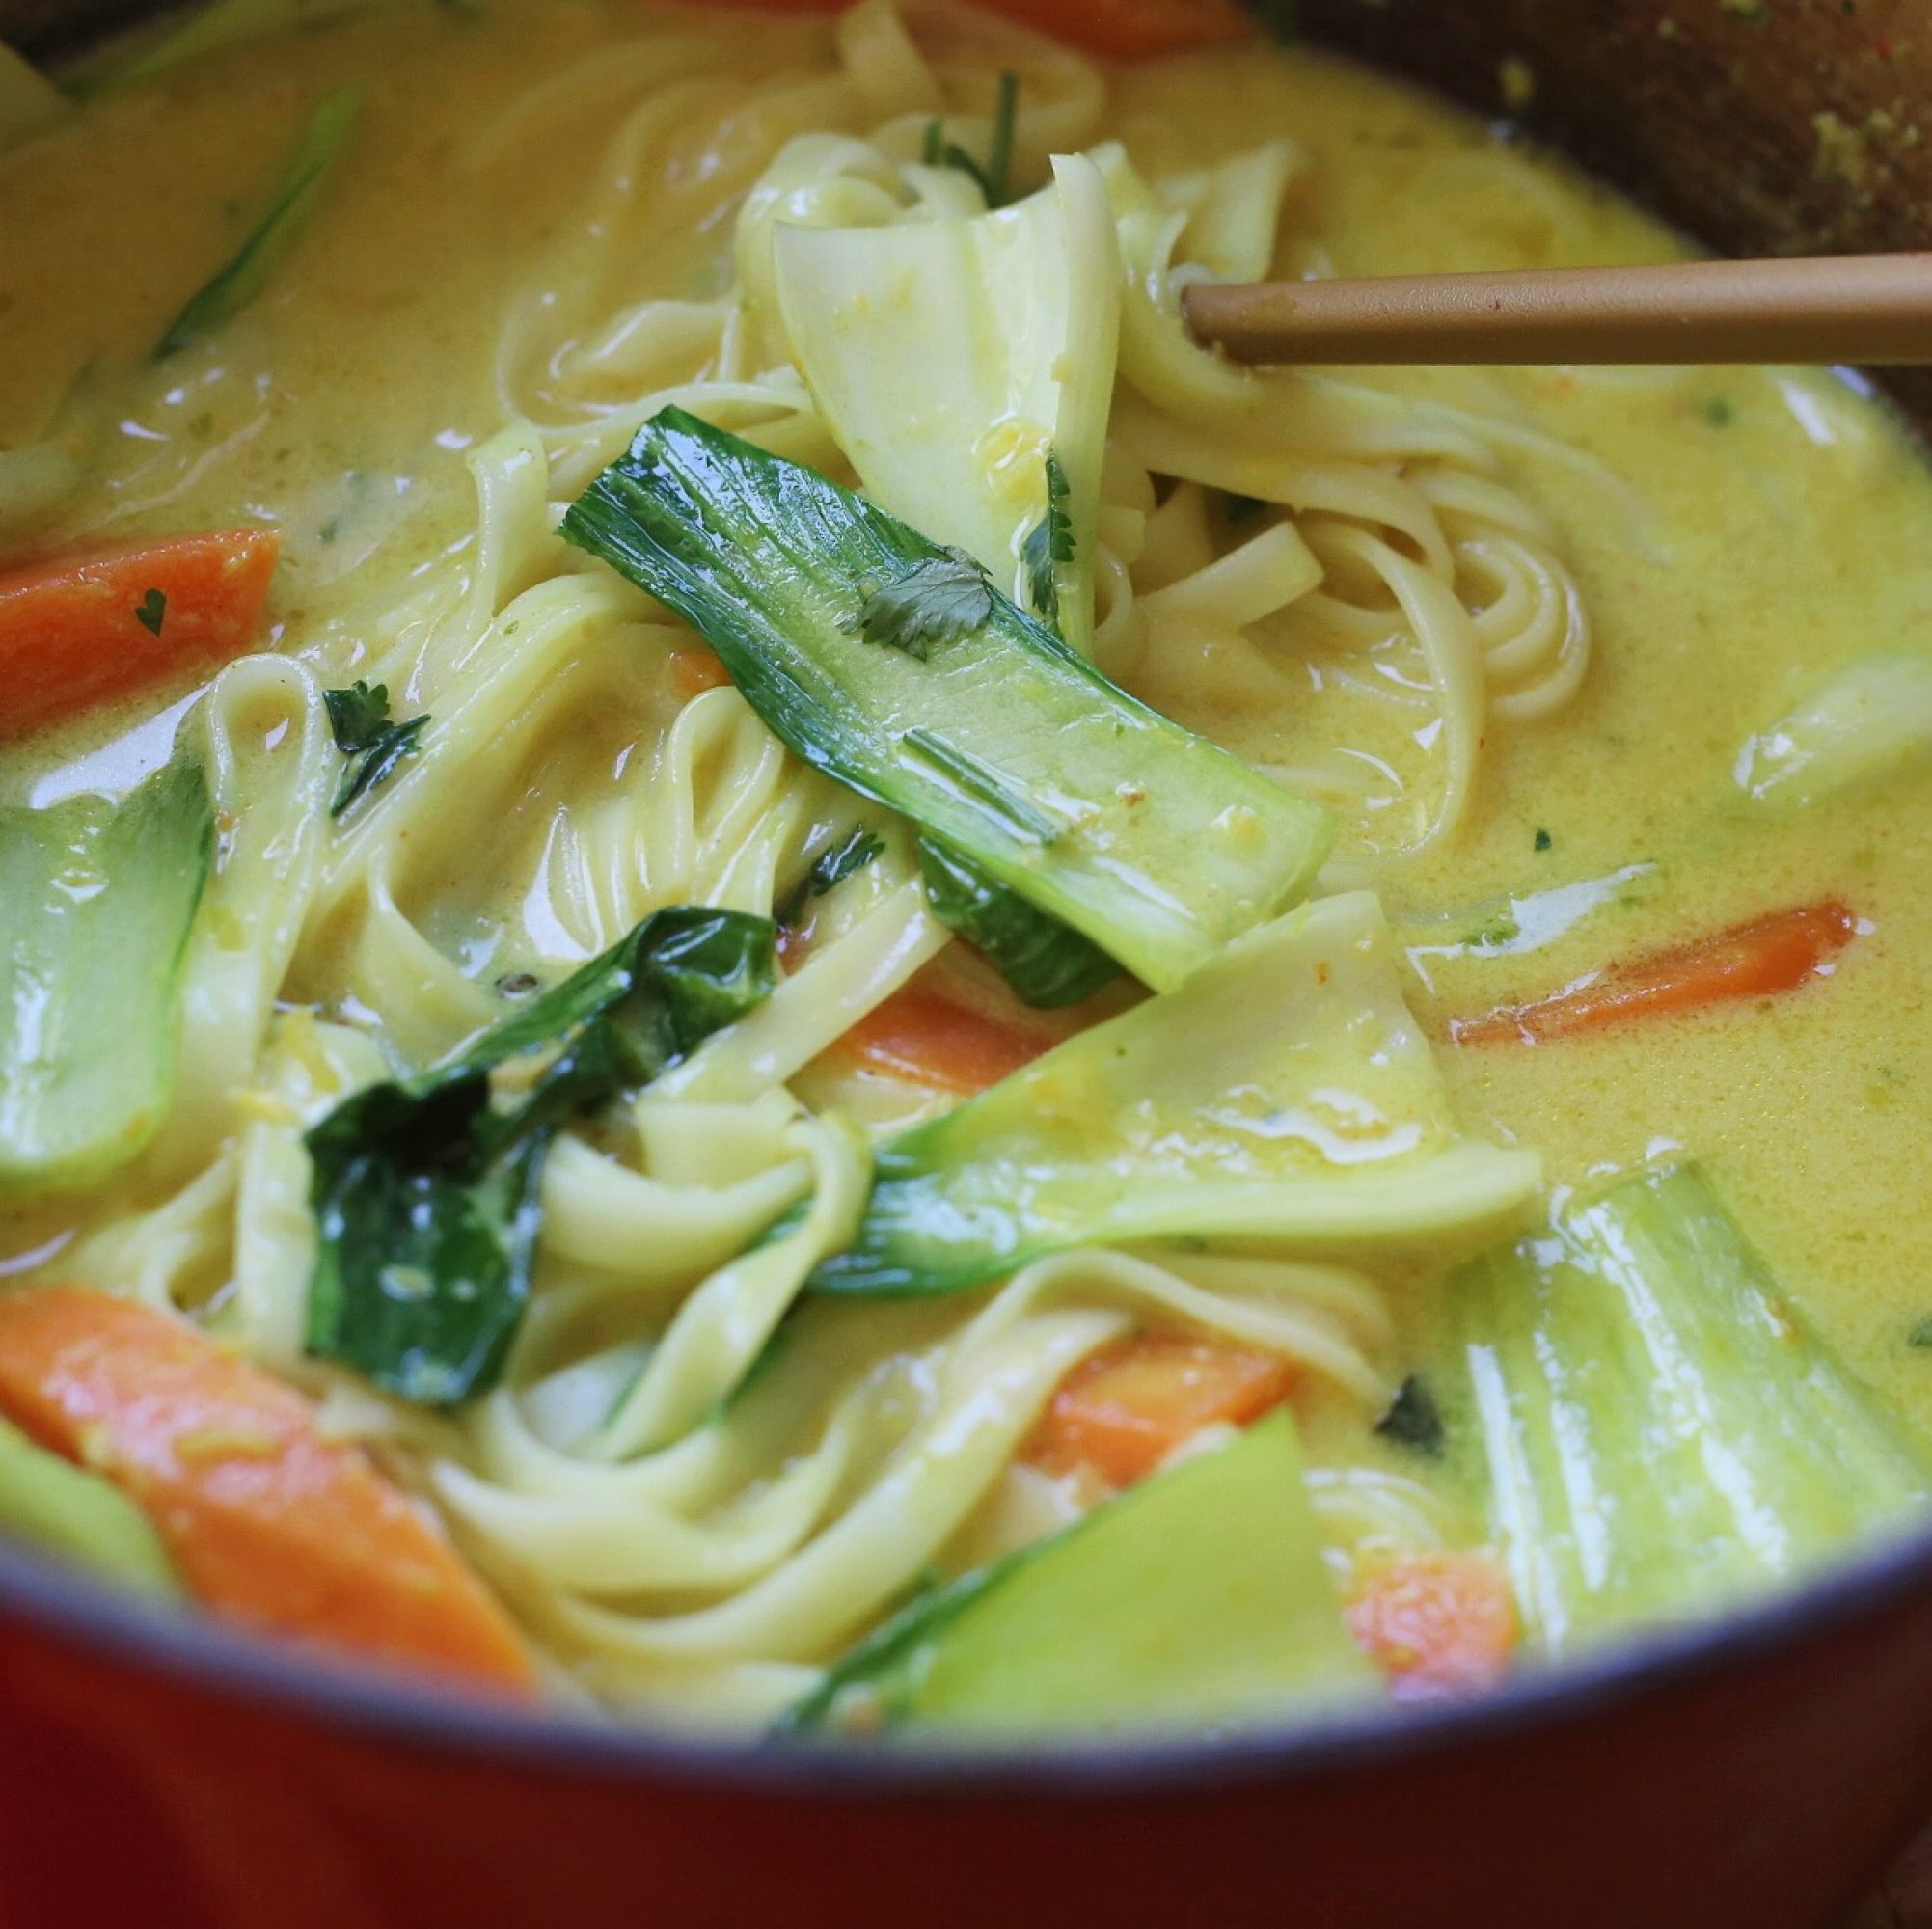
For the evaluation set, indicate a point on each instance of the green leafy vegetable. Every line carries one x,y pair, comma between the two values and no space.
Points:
1201,1596
357,715
1662,1429
1008,748
1046,961
359,719
1050,543
1869,720
81,1518
1413,1419
936,600
842,860
996,179
151,611
426,1192
953,359
269,243
1283,1095
99,901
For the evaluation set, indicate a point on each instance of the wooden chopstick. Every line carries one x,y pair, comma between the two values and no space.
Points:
1874,309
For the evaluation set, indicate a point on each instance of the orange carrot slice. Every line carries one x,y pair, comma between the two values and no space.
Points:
1437,1624
926,1040
79,630
1751,960
1125,1409
266,1522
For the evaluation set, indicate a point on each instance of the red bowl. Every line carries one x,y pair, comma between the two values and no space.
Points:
1732,1776
1738,1775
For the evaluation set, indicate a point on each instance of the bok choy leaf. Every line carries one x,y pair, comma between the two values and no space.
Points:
269,243
966,369
1046,962
97,902
426,1190
1868,721
1283,1095
1663,1430
1201,1595
1003,743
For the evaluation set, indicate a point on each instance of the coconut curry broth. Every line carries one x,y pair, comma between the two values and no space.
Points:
1747,531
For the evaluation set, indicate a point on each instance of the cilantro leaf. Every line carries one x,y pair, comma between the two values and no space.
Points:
357,715
359,718
936,601
1050,541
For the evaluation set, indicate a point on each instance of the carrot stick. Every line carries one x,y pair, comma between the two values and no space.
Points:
1126,29
918,1036
1771,954
266,1522
1436,1625
1125,1409
79,630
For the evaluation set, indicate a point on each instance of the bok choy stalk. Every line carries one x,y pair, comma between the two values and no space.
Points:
1199,1596
426,1192
97,902
1663,1430
269,242
1867,721
81,1518
966,369
1283,1094
891,664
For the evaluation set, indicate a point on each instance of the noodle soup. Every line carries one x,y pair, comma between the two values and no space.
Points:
761,963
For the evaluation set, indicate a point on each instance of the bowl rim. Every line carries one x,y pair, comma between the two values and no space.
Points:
375,1705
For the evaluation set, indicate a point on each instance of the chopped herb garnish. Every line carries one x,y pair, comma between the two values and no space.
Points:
936,601
832,869
1049,542
1720,412
1499,929
1413,1419
1921,1335
1544,840
996,178
359,717
151,611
